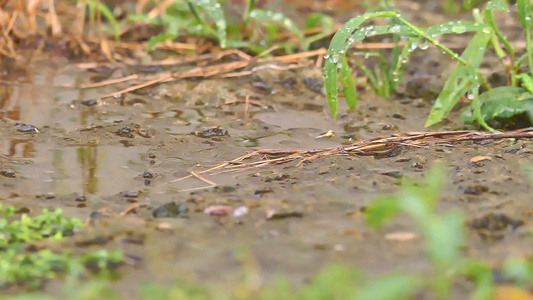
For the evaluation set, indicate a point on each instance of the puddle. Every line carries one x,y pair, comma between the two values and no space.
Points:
102,150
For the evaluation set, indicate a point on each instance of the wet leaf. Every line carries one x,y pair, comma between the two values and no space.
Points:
497,4
524,13
453,27
337,48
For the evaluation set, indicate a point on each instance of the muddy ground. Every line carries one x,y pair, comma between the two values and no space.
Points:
94,158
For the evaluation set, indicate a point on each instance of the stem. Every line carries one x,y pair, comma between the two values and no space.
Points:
433,41
529,51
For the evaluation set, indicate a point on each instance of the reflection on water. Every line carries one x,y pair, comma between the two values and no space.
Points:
87,158
33,96
102,170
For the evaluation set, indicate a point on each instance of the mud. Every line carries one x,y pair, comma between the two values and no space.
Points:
94,158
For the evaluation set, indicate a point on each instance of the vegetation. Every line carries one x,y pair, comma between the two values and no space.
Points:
20,264
466,79
443,234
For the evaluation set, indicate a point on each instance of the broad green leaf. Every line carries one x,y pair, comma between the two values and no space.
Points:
501,102
393,288
347,83
505,108
159,39
277,17
461,80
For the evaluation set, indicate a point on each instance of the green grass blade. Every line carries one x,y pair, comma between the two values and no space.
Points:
524,13
527,81
461,80
524,16
108,14
371,77
453,27
159,39
337,46
250,5
214,10
347,83
313,21
277,17
489,18
496,4
402,60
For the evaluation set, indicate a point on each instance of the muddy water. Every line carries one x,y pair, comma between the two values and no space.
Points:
95,159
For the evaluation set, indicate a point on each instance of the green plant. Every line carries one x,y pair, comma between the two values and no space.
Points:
444,236
464,80
193,18
443,233
97,9
20,266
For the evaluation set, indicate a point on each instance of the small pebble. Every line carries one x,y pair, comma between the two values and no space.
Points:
240,211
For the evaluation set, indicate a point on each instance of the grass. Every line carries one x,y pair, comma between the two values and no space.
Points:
21,265
466,79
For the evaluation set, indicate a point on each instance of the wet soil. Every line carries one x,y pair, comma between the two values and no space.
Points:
63,147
